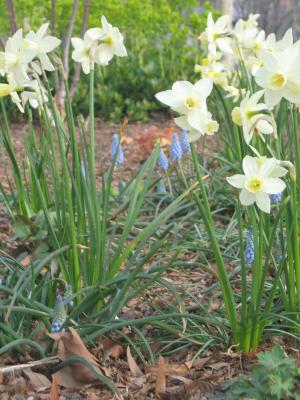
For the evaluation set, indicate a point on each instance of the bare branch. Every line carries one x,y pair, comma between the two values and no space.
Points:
87,4
11,16
2,42
65,55
67,41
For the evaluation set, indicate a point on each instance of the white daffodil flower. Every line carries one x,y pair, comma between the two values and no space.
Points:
244,33
188,99
15,59
211,68
275,46
206,126
84,49
258,182
10,89
280,75
43,45
217,34
35,94
249,115
111,43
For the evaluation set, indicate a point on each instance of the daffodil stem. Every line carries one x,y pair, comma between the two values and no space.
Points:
226,289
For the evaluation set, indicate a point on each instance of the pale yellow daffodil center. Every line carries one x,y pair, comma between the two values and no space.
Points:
256,47
254,184
109,40
277,81
191,103
211,127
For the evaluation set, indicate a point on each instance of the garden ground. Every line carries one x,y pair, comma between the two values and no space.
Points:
173,377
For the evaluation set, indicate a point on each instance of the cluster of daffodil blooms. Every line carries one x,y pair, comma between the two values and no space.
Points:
25,57
273,73
22,61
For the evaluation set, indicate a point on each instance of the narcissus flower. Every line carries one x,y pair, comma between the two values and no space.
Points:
111,43
10,89
250,116
99,45
216,34
84,49
14,60
260,179
190,101
42,44
280,75
206,126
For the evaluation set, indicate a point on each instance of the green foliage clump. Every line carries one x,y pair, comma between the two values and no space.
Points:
276,377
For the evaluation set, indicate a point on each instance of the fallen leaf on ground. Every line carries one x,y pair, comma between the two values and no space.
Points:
54,389
161,382
37,380
70,344
134,368
111,348
170,369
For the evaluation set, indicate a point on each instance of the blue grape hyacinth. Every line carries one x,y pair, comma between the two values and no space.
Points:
184,143
175,149
276,198
116,147
162,160
59,316
249,249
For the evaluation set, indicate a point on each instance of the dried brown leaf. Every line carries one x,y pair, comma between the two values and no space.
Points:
170,369
134,368
54,395
70,344
37,380
112,348
161,383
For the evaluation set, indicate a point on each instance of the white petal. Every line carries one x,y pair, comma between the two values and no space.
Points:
46,63
42,31
272,98
273,186
104,54
249,166
264,127
49,43
238,181
204,86
120,50
267,167
86,65
182,88
247,198
263,202
224,46
77,43
77,55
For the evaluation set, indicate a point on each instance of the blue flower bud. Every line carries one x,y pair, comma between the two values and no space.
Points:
116,150
249,249
184,143
276,198
175,150
162,160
